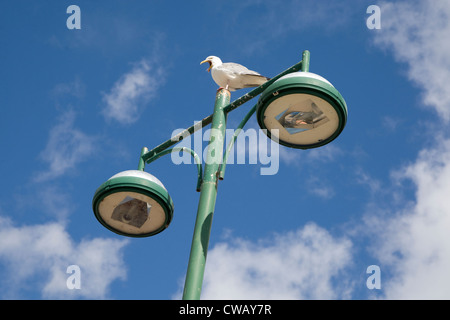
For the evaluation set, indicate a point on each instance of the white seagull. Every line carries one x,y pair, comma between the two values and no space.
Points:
233,76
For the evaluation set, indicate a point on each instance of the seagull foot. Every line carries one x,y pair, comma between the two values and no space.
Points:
223,88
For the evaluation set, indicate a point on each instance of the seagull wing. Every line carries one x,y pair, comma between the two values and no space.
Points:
247,78
238,69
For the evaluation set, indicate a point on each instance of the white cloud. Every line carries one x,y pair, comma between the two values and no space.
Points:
324,154
75,89
321,190
36,258
374,185
413,241
305,264
318,183
131,92
66,147
390,123
417,33
295,16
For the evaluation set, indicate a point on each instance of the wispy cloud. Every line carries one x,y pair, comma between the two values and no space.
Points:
66,147
320,155
279,18
390,123
302,264
129,95
413,241
320,189
75,89
415,32
36,258
317,183
364,179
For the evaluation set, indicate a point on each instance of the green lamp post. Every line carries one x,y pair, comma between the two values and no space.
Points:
297,108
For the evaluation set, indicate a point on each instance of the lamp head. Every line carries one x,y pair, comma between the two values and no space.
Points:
302,110
133,203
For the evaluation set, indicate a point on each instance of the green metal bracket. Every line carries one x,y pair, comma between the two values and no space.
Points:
233,139
146,159
305,61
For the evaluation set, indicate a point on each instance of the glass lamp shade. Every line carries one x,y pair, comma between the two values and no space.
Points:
302,110
133,203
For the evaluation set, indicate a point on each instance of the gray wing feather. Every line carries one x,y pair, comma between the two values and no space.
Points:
247,78
239,69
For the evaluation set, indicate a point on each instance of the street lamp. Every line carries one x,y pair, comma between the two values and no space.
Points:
133,203
301,109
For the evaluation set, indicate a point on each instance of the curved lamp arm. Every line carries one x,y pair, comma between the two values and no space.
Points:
148,158
233,139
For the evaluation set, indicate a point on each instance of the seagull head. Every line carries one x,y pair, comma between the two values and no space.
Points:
213,61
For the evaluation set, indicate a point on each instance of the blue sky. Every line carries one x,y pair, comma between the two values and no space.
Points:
78,105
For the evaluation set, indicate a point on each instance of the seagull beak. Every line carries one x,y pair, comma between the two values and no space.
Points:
210,64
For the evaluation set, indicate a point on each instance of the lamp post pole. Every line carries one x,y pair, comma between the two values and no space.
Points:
208,194
305,61
143,188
